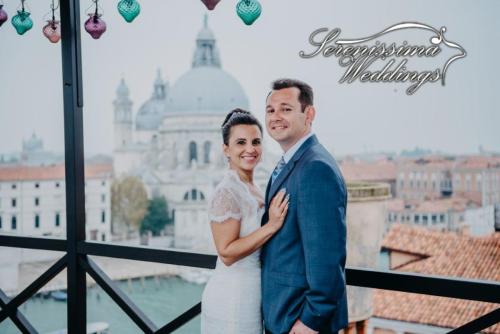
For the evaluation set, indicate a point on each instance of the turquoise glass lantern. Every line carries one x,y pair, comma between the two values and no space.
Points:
248,10
129,9
22,21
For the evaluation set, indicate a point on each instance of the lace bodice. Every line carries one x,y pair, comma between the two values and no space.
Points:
232,199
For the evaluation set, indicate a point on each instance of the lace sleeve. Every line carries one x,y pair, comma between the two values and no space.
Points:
223,206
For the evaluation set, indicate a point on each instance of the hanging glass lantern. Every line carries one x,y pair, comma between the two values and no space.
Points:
129,9
3,15
94,25
248,10
22,21
52,30
210,3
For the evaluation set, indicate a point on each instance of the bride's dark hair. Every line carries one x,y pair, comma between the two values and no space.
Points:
236,117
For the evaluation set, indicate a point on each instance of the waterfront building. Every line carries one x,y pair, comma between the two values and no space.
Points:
33,201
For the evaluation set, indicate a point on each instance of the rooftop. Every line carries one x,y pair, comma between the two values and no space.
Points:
435,162
479,162
382,170
455,204
54,172
446,254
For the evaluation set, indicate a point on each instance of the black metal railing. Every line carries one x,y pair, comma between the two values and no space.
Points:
477,290
77,261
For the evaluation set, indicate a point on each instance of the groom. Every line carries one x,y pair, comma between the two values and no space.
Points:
303,265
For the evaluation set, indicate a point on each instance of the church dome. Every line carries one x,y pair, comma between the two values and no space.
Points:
152,112
207,89
32,144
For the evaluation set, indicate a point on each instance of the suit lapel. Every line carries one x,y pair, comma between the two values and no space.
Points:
264,219
272,189
268,188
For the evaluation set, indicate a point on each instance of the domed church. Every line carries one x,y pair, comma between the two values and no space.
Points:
174,143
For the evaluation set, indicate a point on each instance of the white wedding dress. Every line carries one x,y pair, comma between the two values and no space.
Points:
231,301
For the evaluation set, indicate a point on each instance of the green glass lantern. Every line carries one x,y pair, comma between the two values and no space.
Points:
248,10
22,21
129,9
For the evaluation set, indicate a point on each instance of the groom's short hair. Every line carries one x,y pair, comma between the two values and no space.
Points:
306,95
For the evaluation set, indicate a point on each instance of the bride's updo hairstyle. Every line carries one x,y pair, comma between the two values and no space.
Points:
236,117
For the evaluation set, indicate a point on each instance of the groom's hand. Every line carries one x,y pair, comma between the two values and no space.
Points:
300,328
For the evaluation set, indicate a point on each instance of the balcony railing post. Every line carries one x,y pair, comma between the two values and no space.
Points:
74,163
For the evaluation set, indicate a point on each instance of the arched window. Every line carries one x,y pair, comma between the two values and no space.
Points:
206,152
194,195
193,154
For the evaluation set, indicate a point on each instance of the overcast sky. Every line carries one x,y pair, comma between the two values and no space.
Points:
351,118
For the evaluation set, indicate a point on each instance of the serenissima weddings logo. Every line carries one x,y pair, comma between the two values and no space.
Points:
358,55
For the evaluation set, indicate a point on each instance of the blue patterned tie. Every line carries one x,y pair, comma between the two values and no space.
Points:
278,169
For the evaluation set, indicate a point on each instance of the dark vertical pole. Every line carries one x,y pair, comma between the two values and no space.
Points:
74,156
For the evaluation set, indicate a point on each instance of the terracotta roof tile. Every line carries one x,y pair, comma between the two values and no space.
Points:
478,162
430,310
430,162
395,204
456,204
447,254
382,170
55,172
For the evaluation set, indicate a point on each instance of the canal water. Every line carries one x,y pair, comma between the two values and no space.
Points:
161,299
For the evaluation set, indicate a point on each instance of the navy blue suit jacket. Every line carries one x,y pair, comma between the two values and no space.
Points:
303,265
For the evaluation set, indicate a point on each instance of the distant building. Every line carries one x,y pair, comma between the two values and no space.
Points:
174,142
447,214
478,178
33,201
480,221
424,179
419,250
33,154
475,178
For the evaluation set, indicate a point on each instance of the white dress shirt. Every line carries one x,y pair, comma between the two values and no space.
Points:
289,154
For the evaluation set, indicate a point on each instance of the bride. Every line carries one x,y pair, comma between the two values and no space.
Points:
231,301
